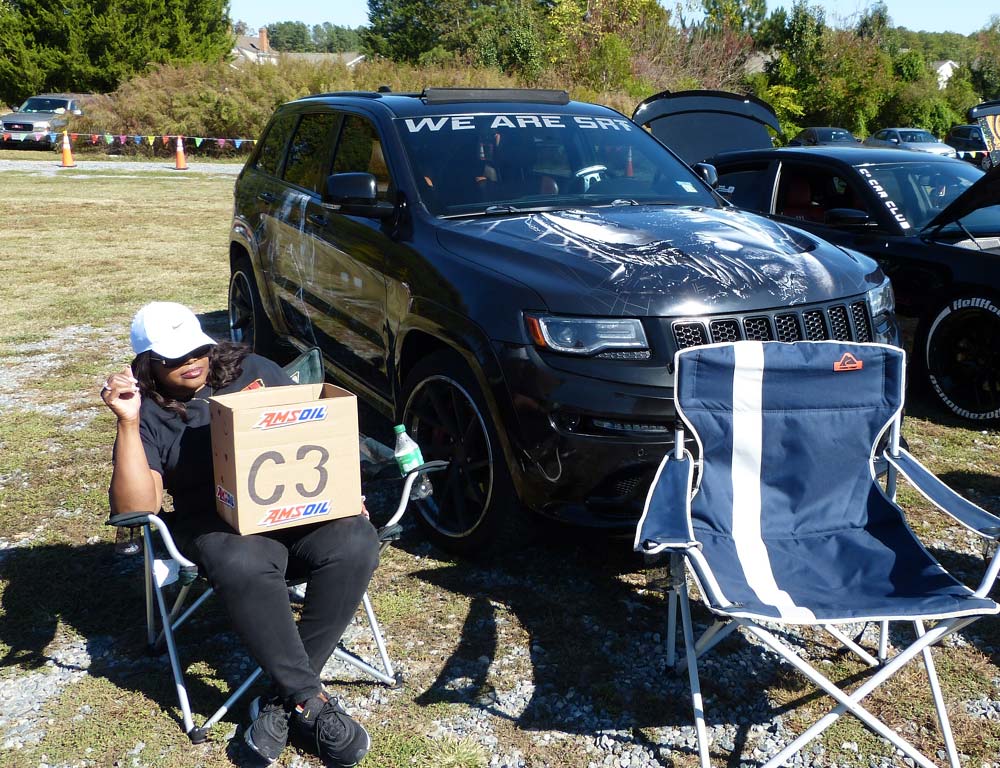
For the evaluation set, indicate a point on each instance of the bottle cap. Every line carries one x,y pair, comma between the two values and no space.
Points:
399,429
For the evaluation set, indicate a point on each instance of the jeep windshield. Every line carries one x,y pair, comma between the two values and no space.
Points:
495,164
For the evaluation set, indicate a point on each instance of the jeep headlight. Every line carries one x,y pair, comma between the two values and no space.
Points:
585,335
41,125
882,304
881,300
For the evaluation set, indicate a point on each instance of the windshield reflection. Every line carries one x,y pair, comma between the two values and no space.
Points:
920,191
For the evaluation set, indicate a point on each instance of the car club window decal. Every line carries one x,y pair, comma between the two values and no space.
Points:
471,122
889,203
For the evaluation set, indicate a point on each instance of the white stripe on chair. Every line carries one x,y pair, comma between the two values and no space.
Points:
748,378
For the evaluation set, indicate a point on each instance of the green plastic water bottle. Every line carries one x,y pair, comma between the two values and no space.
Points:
408,456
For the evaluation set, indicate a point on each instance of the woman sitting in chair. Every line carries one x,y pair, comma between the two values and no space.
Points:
163,442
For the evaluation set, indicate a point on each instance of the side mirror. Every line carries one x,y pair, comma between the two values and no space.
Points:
846,217
356,194
78,112
708,173
894,140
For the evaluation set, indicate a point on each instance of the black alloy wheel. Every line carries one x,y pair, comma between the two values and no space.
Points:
248,324
445,414
962,357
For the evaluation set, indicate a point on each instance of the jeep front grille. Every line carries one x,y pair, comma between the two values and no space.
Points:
839,322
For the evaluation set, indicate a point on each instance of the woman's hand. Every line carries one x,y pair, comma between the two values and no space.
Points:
121,395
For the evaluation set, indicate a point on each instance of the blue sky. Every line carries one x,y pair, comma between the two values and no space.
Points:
965,16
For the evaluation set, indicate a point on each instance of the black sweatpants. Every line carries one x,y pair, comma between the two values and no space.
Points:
337,558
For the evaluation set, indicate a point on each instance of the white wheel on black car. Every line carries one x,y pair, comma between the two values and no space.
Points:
962,357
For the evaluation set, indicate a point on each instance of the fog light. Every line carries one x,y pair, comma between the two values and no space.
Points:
567,422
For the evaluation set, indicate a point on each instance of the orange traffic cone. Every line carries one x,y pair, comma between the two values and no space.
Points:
67,153
180,164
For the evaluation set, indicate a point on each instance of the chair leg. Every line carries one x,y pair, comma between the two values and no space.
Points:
852,646
850,702
175,664
147,554
386,675
677,582
942,711
714,635
692,664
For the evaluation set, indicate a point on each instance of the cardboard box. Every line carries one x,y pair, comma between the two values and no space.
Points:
285,456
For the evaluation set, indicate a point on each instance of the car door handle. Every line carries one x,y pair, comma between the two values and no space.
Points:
317,219
267,197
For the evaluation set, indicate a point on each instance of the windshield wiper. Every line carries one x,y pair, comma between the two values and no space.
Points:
623,201
500,209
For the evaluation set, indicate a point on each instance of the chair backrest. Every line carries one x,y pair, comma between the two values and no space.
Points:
788,430
307,368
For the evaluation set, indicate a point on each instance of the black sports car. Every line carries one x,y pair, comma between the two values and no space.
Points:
932,223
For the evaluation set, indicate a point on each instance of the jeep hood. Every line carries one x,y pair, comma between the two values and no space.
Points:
659,261
985,192
701,124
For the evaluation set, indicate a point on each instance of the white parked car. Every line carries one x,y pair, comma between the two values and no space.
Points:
910,138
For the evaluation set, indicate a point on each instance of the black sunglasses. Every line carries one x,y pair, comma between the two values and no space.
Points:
177,362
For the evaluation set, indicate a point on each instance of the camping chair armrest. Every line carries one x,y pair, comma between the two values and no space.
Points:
130,519
974,518
188,570
411,477
666,519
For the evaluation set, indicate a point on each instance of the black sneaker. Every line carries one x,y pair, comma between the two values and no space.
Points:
267,733
338,739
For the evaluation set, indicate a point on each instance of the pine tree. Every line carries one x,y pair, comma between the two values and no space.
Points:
92,46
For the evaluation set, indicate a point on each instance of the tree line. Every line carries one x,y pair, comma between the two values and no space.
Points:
859,75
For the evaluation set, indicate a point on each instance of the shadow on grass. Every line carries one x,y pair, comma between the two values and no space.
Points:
95,593
596,647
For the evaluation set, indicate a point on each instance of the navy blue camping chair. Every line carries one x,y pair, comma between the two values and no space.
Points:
783,520
171,570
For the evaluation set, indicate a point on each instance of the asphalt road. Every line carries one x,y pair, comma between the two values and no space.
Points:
83,165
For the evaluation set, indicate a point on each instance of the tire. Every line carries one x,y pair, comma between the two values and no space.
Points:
961,358
445,413
248,323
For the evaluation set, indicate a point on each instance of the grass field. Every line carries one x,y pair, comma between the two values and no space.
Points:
512,660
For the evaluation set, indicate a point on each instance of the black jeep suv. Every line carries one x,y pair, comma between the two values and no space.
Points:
510,273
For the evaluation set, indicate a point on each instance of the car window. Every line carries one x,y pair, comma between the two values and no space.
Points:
272,149
835,134
42,104
359,150
746,186
807,193
917,137
975,135
310,150
466,163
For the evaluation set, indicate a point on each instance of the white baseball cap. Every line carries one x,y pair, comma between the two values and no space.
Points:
168,329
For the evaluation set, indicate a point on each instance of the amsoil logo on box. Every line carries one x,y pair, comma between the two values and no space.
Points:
285,417
225,497
279,515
